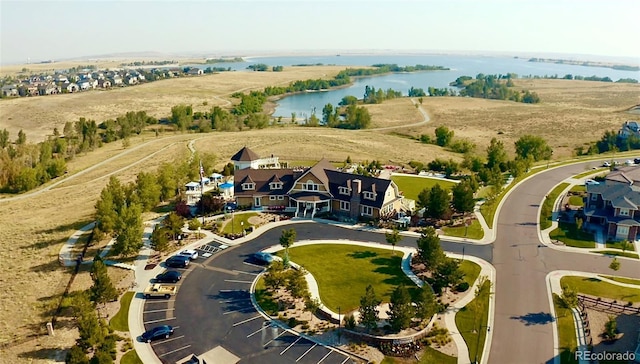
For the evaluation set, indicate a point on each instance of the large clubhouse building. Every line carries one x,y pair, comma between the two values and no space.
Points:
260,183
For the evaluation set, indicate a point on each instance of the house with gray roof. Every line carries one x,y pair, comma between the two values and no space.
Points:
615,204
629,128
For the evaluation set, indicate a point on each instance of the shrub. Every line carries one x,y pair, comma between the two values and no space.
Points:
462,287
350,322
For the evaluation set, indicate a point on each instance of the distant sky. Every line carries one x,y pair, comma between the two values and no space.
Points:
43,30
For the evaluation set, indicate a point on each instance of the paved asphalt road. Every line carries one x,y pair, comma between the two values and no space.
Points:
212,307
523,331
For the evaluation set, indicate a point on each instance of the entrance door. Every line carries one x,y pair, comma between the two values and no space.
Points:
256,201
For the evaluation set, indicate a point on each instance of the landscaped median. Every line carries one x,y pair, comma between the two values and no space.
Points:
342,275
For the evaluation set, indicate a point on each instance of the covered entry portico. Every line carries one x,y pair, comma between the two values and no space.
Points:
307,204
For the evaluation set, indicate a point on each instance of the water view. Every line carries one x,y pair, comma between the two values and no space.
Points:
305,104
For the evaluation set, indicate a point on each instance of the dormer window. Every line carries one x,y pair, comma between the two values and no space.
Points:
310,186
343,190
248,186
369,195
624,212
275,185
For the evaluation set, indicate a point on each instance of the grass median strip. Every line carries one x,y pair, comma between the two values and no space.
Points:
624,280
546,212
472,321
571,236
596,287
474,231
616,253
120,321
567,343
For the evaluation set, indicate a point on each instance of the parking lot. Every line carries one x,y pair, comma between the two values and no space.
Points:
213,310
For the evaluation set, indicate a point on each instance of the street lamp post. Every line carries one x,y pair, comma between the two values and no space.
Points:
242,227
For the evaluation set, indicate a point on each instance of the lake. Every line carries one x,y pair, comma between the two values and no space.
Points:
304,104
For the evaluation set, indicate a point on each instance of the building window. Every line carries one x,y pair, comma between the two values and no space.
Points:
280,197
310,186
272,198
248,186
369,195
345,206
343,190
275,185
624,212
622,230
367,210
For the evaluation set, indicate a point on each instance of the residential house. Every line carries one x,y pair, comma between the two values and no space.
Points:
629,128
246,158
116,80
48,89
61,79
615,204
69,87
84,84
131,80
102,83
195,71
321,188
28,89
9,91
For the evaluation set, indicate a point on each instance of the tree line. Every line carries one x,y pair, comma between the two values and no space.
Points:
494,87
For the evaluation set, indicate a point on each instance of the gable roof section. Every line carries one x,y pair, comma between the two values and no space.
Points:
628,175
339,179
319,171
621,195
245,155
262,178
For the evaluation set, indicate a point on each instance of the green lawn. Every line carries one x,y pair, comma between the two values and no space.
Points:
344,271
566,332
590,172
120,321
571,236
471,271
238,222
546,212
618,245
578,188
596,287
617,253
473,232
576,201
412,186
472,320
624,280
131,357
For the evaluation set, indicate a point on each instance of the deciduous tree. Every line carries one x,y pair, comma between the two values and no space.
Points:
393,238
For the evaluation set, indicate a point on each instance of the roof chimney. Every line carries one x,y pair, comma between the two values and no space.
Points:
357,186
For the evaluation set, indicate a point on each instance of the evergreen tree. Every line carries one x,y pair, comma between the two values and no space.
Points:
463,200
129,230
148,190
429,249
401,310
438,203
369,309
159,239
447,274
443,136
496,155
174,224
102,290
76,355
427,305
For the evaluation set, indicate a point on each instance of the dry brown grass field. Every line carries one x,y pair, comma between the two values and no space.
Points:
40,115
34,228
570,113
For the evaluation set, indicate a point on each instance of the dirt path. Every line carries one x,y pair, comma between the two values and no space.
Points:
425,119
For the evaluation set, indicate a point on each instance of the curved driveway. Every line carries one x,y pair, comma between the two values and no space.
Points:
523,331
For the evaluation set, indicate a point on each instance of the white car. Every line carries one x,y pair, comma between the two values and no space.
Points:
629,162
606,164
192,254
591,182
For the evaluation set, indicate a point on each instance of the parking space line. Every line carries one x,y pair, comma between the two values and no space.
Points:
345,360
305,353
324,357
168,340
255,332
253,265
247,320
232,290
292,344
173,351
235,281
163,310
240,271
270,341
235,300
240,310
154,321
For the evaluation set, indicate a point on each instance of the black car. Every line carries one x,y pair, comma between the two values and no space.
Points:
158,332
636,160
171,276
178,261
262,258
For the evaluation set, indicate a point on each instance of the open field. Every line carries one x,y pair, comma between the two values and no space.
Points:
570,113
394,112
37,116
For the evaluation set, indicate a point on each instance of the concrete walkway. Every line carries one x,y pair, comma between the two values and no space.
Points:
487,270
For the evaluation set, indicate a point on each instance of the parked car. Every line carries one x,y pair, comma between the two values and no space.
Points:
606,164
170,276
636,160
158,332
629,162
178,261
262,257
192,254
591,182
